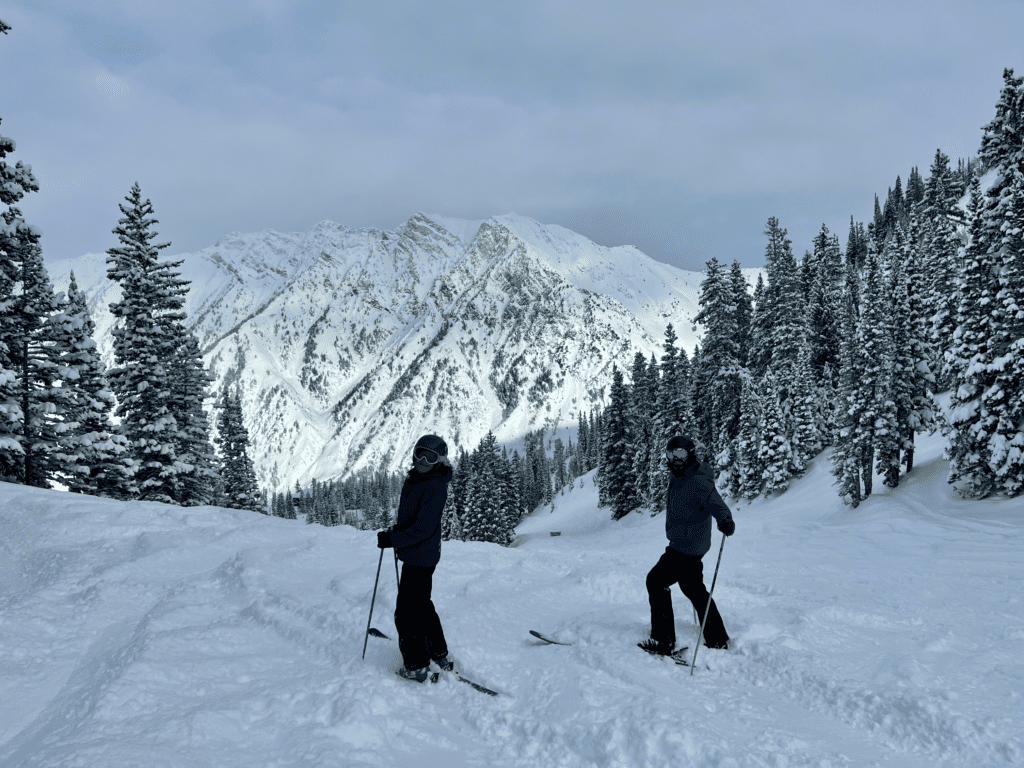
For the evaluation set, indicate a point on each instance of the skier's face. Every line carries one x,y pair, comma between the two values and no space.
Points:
424,459
677,458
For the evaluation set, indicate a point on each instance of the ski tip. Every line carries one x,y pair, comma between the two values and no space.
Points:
547,640
377,633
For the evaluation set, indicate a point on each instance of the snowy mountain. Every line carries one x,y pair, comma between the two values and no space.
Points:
347,344
144,634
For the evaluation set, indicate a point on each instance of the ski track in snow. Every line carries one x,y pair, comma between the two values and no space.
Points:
890,635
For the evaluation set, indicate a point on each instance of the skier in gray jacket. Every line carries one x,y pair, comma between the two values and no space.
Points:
692,500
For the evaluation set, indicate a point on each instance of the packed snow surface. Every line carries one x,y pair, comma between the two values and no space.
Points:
142,634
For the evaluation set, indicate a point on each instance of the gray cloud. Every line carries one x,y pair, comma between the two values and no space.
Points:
676,127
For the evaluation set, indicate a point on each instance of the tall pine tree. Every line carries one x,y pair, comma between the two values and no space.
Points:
158,377
93,450
15,182
617,464
241,489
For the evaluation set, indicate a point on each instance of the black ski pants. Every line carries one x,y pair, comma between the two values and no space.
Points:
420,637
688,572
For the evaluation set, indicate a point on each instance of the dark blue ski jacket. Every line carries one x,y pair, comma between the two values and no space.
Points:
692,500
416,536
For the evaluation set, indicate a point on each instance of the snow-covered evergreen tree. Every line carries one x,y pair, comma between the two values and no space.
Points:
671,389
15,182
451,526
196,471
968,362
824,313
644,430
759,352
716,412
1007,396
617,461
141,378
457,490
744,302
857,245
805,440
158,378
241,489
91,448
783,314
486,517
509,504
775,453
877,423
727,464
748,443
846,457
19,243
34,355
986,423
939,251
890,444
923,415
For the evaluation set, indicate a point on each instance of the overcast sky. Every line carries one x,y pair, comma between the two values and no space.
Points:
678,127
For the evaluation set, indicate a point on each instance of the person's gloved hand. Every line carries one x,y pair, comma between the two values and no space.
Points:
383,539
727,526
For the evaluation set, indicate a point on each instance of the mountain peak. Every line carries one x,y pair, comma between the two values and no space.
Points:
347,344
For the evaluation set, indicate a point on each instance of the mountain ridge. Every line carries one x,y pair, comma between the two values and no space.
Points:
347,344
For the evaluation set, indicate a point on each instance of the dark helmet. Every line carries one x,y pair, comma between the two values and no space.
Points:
433,443
680,441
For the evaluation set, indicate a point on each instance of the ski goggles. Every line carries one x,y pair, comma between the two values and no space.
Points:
677,453
426,455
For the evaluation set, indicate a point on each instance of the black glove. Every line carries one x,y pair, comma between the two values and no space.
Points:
383,539
727,526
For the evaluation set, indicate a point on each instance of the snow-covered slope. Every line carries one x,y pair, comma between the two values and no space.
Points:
349,344
141,634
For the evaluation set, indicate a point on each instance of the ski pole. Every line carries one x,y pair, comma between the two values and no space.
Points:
700,635
398,582
372,601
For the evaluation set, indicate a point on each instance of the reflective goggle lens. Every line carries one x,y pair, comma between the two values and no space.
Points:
426,455
678,453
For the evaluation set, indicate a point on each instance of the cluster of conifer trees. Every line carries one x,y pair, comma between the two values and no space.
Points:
849,352
489,494
136,431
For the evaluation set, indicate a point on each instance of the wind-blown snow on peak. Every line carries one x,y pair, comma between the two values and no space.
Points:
348,344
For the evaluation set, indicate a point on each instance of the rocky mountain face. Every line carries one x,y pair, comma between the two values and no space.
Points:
348,344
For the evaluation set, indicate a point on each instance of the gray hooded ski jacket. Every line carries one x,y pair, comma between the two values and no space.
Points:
692,500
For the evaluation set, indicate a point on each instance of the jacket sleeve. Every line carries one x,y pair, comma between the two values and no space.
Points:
716,505
428,517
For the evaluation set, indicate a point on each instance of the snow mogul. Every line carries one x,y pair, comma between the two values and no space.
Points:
416,538
692,500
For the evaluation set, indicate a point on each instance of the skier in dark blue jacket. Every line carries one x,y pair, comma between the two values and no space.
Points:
692,500
416,537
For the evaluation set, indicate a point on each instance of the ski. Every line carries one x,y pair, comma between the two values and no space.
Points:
477,686
539,636
435,676
678,656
